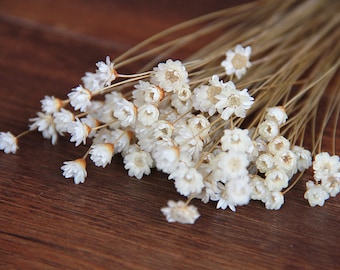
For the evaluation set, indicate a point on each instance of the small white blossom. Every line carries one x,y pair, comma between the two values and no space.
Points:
188,142
278,145
325,166
236,140
166,158
237,61
75,169
79,132
104,75
45,124
51,104
182,107
239,191
125,111
80,98
170,76
258,190
274,200
286,161
276,180
199,125
138,163
332,185
101,154
315,194
145,92
191,182
268,130
148,114
61,120
8,142
264,162
180,212
184,93
304,157
233,101
276,114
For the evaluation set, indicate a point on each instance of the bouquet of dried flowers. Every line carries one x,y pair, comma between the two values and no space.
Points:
228,123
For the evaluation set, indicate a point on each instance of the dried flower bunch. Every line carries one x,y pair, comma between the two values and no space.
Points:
228,123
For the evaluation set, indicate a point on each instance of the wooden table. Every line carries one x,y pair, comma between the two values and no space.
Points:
113,221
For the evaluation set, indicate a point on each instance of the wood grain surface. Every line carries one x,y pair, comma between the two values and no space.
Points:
114,221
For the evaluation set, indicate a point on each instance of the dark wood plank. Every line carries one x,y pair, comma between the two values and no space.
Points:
113,221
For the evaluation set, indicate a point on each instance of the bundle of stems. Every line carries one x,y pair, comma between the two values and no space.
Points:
294,67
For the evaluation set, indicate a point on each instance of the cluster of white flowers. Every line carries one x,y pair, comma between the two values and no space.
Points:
326,179
187,131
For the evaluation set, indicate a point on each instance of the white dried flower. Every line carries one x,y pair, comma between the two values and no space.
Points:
236,139
258,190
61,120
45,124
332,185
325,166
180,212
8,142
184,93
304,157
274,200
268,130
51,104
79,132
80,98
278,145
148,114
276,180
190,181
315,194
239,191
170,76
237,61
75,169
199,125
138,163
286,161
264,162
166,158
145,92
276,114
125,112
233,101
104,75
101,154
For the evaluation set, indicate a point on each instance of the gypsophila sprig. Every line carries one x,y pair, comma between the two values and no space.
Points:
224,128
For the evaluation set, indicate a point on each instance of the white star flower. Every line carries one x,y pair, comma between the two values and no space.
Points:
190,181
180,212
276,180
145,92
268,130
304,157
315,194
258,190
8,142
125,112
199,125
51,104
80,98
75,169
79,132
278,145
170,76
104,75
276,114
332,185
101,154
138,163
264,162
274,200
233,101
236,140
166,158
325,166
237,61
61,120
45,124
148,114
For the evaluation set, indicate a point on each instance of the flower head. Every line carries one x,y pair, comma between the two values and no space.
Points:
315,194
79,131
101,154
51,104
138,163
75,169
8,142
80,98
170,76
233,101
45,124
237,61
180,212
